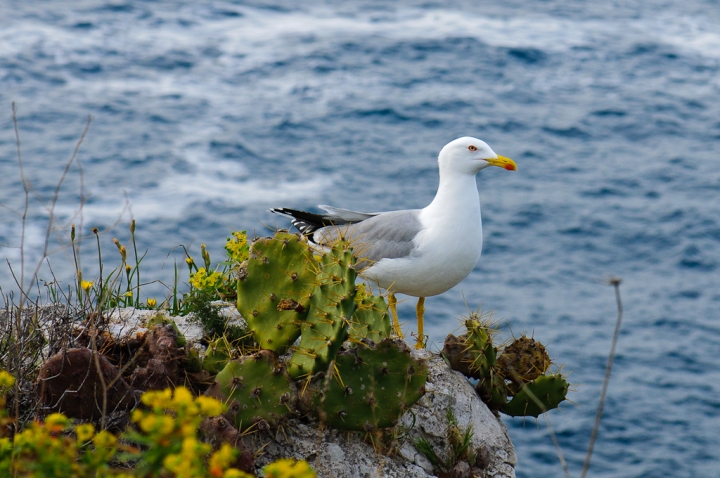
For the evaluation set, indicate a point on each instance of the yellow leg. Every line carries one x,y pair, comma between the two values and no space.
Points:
392,302
420,312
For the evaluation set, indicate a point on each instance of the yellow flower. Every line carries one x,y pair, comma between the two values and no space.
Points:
188,429
197,279
152,302
221,459
183,398
6,380
191,446
209,406
105,441
168,425
173,463
237,246
56,419
86,285
289,468
84,432
235,473
189,261
157,398
202,280
148,423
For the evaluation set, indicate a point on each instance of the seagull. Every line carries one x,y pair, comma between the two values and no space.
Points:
416,252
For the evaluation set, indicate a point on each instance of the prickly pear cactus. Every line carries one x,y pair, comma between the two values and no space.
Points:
371,319
332,306
523,361
274,296
255,388
480,346
473,354
217,355
373,385
517,372
493,390
549,389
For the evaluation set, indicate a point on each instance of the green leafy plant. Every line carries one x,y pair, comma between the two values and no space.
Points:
209,286
459,447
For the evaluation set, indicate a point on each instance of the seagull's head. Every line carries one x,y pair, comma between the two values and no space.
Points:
468,155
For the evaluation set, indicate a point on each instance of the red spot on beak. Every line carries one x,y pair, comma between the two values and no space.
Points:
510,167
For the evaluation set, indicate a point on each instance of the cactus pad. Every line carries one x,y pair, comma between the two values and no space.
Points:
255,388
332,306
274,296
473,353
549,389
493,390
371,319
372,387
217,355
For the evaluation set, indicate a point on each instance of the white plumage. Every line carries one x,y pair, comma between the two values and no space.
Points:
418,252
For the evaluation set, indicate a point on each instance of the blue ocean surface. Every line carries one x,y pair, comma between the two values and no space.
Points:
206,114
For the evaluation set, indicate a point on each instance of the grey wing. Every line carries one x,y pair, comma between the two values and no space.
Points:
346,215
387,235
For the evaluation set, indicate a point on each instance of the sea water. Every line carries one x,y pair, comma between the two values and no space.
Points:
207,114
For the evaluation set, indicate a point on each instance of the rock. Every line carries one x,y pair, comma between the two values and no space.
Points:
129,322
445,389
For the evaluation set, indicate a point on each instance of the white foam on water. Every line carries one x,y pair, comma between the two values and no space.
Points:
262,36
172,198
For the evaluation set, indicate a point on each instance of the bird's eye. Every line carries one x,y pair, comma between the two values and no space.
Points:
472,148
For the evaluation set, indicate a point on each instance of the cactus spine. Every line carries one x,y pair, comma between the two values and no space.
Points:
217,355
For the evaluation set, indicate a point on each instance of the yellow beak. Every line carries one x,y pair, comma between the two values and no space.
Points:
502,162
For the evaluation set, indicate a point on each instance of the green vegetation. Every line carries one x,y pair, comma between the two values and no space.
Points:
164,442
336,371
459,441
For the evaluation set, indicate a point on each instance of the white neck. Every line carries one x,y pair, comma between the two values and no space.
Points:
457,198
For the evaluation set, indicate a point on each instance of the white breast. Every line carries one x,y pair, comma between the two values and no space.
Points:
445,252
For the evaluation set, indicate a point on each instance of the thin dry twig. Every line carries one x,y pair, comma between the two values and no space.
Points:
615,282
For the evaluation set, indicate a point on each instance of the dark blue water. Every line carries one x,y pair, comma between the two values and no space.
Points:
205,115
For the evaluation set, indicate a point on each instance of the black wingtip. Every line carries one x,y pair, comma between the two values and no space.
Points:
305,222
